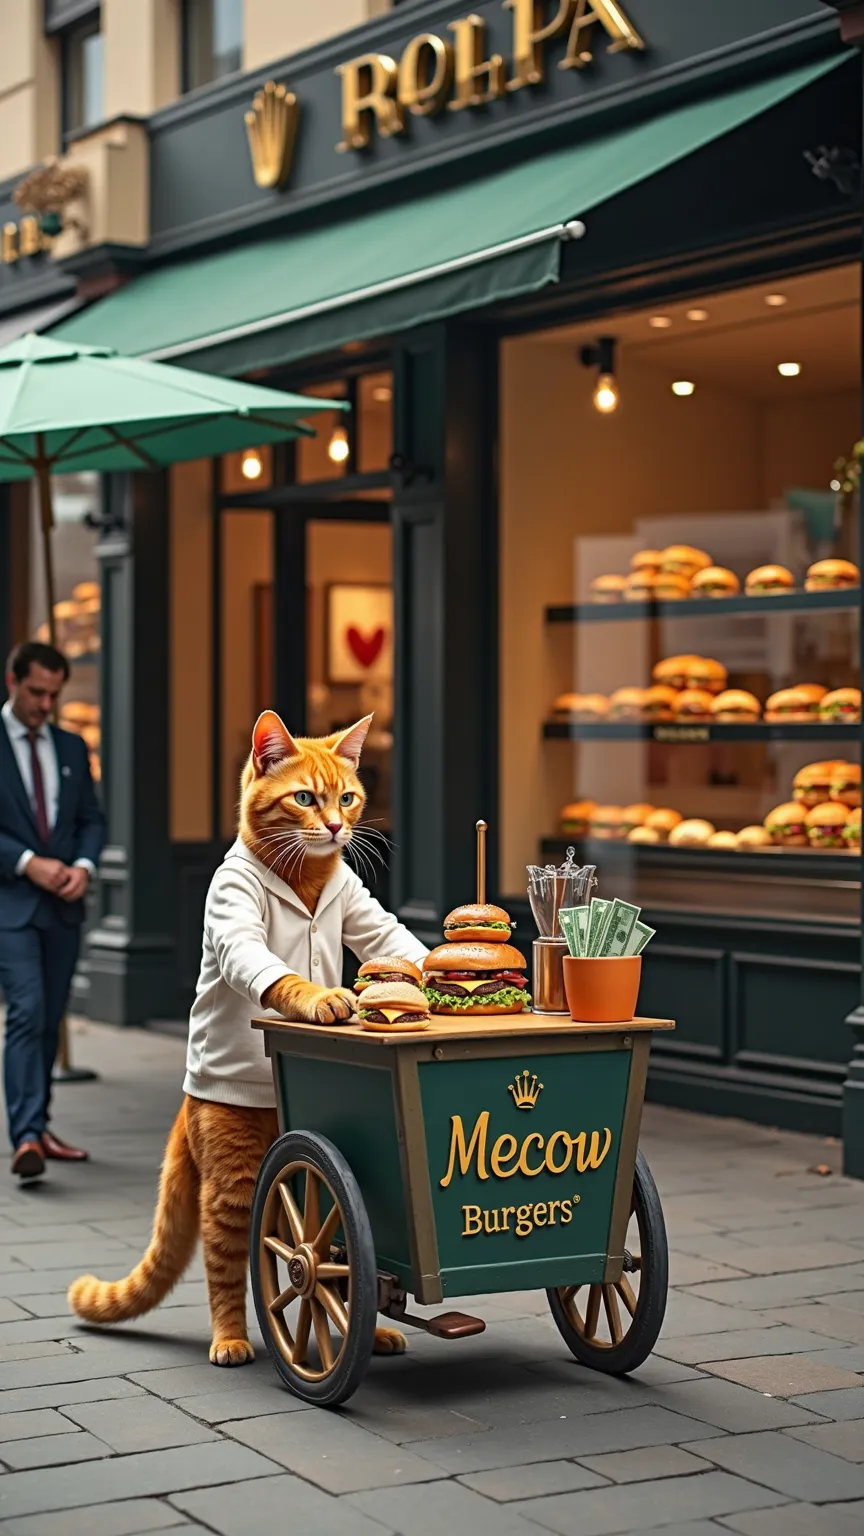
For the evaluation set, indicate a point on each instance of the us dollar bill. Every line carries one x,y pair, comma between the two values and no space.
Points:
618,928
640,936
582,916
596,922
567,924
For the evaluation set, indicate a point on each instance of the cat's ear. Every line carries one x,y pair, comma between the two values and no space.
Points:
349,744
271,743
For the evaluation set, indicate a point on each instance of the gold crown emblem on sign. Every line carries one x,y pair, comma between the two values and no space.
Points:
271,128
525,1090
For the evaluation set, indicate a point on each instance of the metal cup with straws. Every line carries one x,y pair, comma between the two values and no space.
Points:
550,889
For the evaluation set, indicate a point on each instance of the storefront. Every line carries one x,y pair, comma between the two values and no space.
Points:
480,216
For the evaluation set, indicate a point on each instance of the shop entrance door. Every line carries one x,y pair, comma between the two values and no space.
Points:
306,628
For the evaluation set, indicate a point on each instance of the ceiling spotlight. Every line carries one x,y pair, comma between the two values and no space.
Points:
697,314
683,387
606,395
789,370
776,300
660,322
251,467
338,447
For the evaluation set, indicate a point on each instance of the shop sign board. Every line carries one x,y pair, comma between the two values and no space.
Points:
523,1163
426,86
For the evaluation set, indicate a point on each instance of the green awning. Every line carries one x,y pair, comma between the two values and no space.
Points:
458,249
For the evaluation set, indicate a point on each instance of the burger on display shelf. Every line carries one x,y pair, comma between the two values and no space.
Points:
768,581
832,576
681,571
825,825
715,581
735,706
835,783
694,688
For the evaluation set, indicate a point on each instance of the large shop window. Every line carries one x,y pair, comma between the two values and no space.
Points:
732,416
212,40
77,609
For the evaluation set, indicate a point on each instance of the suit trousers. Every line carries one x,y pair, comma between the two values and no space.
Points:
37,964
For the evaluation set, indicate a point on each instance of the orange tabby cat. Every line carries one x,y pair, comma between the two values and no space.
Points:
301,800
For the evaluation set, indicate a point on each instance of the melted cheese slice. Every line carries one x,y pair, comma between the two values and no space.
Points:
392,1014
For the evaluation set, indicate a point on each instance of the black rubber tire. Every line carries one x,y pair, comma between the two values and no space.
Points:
644,1330
353,1362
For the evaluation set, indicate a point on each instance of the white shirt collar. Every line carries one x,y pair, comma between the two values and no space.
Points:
16,727
238,850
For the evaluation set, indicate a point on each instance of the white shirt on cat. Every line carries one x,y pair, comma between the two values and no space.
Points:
255,931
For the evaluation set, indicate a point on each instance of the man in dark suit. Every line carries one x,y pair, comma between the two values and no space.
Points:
51,836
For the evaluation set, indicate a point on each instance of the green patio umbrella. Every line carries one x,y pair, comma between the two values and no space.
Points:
65,409
73,408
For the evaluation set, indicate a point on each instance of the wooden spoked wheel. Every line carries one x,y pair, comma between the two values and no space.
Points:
314,1279
614,1327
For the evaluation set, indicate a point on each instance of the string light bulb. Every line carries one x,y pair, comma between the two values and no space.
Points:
338,447
789,370
251,467
606,395
683,387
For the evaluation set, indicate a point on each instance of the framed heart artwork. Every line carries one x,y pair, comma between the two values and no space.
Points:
359,633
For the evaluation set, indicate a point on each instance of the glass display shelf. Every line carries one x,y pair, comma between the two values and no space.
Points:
698,733
783,863
845,601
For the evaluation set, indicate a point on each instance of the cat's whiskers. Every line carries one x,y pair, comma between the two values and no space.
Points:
364,867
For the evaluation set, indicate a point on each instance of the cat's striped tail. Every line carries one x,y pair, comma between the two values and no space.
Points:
175,1235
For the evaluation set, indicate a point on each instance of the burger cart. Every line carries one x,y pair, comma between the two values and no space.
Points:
475,1156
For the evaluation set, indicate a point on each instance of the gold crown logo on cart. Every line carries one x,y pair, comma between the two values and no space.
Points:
271,128
525,1090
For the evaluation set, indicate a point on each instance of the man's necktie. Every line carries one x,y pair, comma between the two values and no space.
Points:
40,807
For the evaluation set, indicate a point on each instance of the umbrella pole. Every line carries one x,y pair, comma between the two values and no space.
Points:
64,1072
46,518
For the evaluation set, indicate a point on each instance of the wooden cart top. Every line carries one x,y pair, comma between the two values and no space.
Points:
502,1026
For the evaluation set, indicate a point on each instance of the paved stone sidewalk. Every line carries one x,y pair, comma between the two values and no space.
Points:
749,1417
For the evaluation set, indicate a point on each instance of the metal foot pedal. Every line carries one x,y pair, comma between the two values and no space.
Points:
447,1325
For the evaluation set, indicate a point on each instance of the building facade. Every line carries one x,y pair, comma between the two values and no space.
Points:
458,223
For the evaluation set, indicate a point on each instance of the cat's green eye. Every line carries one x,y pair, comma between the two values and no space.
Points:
304,797
348,798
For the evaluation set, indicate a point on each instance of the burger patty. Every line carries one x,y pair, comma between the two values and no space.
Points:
376,976
488,988
377,1017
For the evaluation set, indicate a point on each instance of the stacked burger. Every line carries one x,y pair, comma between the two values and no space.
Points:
477,972
825,811
390,999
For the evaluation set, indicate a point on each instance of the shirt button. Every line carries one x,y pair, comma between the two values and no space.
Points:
314,927
315,960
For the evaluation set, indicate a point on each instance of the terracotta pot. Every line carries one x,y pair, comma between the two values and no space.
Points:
602,991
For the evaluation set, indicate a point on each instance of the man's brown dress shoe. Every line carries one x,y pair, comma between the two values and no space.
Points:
28,1162
60,1151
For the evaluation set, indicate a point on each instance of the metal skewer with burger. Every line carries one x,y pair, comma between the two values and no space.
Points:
476,972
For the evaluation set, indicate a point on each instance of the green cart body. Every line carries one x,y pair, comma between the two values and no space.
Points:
488,1155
